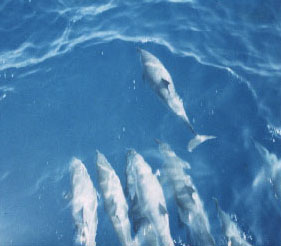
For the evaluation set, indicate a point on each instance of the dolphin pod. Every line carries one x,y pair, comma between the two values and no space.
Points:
148,210
144,186
190,207
114,200
230,229
150,216
84,204
161,82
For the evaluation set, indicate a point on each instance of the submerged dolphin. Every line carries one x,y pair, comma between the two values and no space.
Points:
161,82
230,229
270,171
190,207
114,200
144,187
84,204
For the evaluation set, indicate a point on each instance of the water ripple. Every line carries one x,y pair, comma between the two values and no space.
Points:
85,22
222,35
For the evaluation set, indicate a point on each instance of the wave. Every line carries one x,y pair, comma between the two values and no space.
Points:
104,22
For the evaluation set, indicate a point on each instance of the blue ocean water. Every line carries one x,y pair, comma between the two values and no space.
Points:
71,82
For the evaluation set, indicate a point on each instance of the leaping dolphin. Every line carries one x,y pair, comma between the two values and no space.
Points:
161,82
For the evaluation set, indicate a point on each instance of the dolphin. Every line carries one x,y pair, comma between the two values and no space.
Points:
84,204
161,82
114,200
271,171
230,229
190,207
144,187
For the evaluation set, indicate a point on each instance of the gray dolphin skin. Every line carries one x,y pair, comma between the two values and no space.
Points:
84,204
190,207
230,229
144,187
114,200
161,82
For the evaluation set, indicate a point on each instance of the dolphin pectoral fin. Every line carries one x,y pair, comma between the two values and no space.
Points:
162,209
189,190
198,139
139,222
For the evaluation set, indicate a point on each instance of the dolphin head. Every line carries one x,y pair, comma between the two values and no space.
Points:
147,57
142,54
103,166
131,153
136,163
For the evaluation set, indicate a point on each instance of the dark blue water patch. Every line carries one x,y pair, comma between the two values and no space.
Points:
105,232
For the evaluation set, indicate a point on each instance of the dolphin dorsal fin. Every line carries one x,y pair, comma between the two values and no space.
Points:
165,83
162,209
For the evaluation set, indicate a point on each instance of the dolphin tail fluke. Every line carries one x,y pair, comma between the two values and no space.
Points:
198,139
